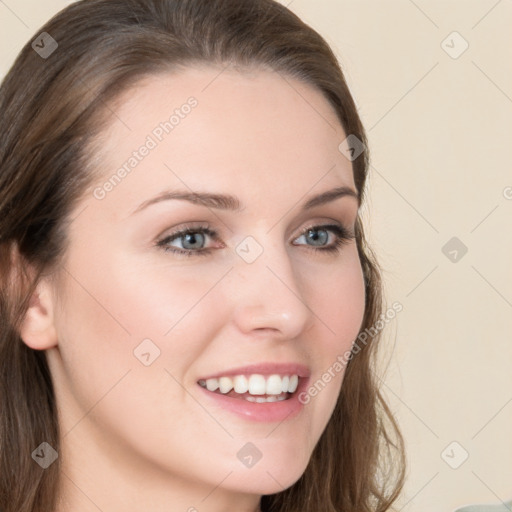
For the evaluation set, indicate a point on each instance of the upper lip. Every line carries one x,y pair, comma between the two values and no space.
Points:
298,369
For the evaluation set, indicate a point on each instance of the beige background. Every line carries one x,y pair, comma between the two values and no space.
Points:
440,137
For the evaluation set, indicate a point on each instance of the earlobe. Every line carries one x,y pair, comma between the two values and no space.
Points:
37,329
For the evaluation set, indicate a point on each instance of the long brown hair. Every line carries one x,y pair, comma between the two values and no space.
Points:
51,106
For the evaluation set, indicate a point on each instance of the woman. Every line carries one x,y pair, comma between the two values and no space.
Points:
186,288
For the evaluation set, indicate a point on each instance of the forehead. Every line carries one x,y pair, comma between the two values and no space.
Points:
254,130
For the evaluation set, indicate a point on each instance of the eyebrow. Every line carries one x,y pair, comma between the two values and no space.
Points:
232,203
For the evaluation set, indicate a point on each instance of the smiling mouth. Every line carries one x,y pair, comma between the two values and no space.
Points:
254,388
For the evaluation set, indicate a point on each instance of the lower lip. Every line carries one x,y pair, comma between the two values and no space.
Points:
262,412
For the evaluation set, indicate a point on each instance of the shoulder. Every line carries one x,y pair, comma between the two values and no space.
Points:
501,507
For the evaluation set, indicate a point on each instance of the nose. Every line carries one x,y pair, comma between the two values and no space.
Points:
267,296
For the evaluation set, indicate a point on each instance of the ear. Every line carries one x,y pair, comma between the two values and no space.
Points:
37,329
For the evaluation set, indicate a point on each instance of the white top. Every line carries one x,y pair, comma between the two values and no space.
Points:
500,507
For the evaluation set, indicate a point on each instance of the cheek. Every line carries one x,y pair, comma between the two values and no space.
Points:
102,381
159,297
128,299
338,300
120,315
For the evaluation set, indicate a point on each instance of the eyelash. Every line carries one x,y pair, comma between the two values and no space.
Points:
343,237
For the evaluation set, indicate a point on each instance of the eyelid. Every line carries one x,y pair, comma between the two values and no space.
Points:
344,229
188,227
185,230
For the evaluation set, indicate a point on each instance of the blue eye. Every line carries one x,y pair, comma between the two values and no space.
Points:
319,235
192,240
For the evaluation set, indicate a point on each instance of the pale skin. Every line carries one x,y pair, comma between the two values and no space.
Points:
136,437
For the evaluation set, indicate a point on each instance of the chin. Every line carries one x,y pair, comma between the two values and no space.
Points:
271,478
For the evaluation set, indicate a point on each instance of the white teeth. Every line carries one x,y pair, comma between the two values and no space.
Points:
274,385
212,384
241,384
255,384
261,399
225,385
292,386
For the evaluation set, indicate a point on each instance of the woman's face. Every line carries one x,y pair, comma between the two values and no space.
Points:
144,317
